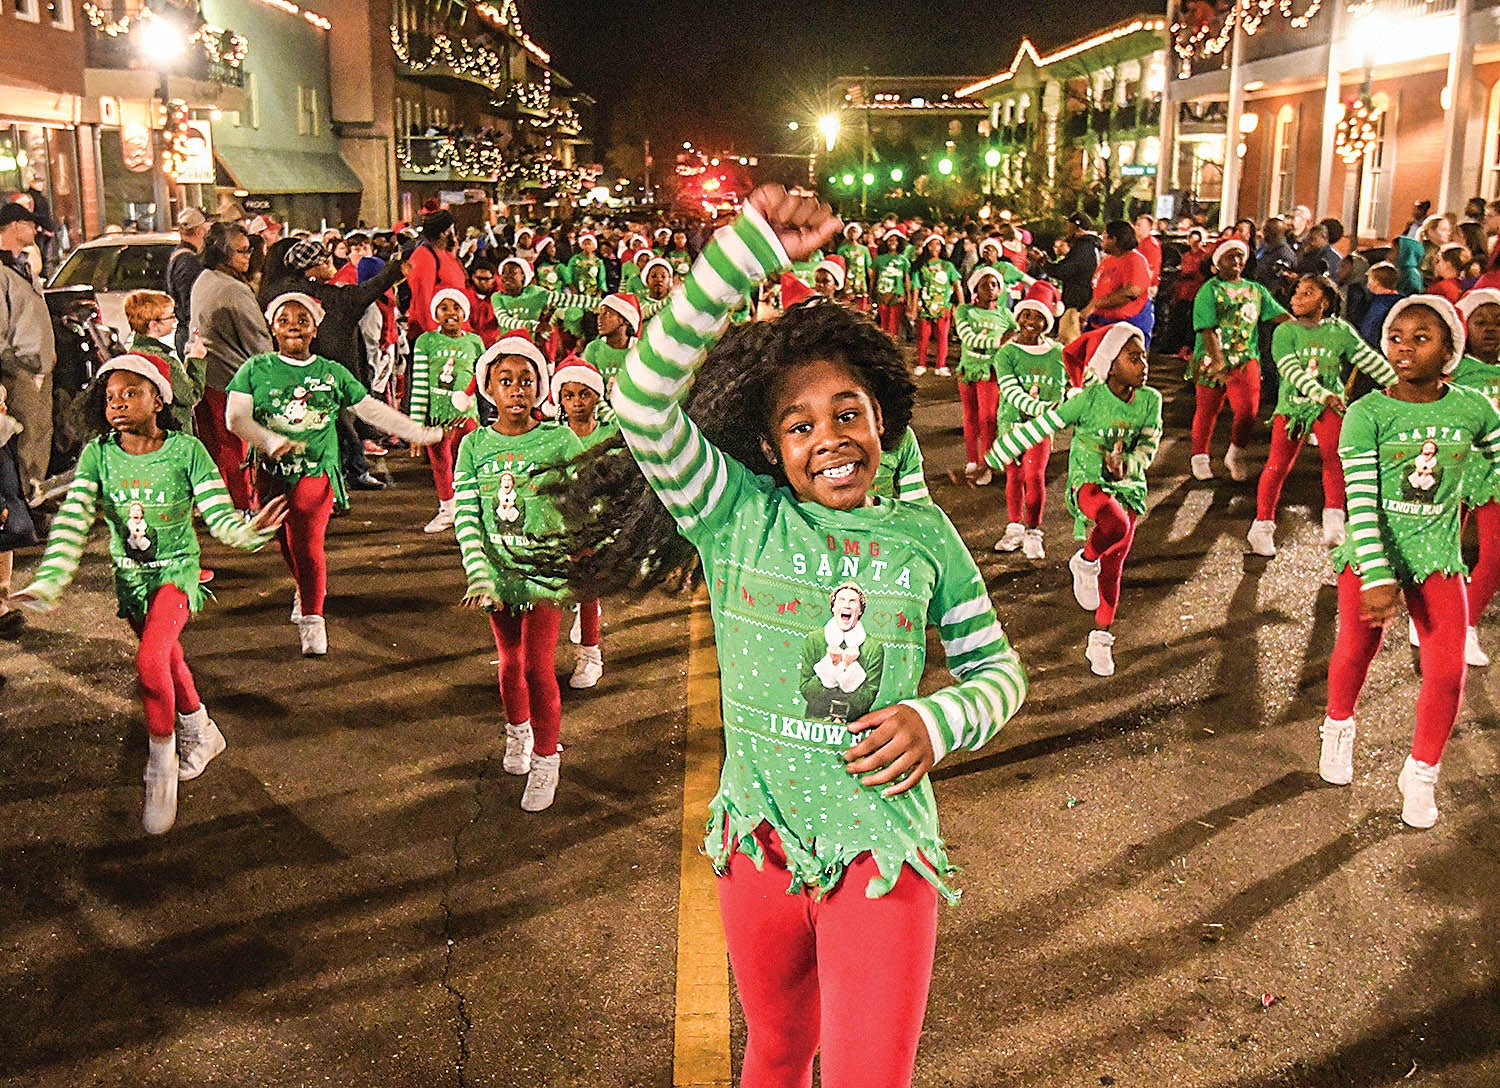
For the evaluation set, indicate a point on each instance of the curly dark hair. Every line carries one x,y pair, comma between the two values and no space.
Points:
620,536
90,409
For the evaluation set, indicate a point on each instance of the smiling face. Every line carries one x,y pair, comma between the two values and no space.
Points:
513,388
824,284
294,330
1484,332
131,403
825,430
1418,345
1032,325
512,279
848,606
450,317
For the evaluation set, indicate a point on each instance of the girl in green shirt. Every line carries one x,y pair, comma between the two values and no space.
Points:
935,289
442,392
857,260
892,282
982,327
1032,380
1480,370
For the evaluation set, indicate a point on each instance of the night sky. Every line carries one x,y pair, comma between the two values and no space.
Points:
722,74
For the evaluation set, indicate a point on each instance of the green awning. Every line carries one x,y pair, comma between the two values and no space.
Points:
263,170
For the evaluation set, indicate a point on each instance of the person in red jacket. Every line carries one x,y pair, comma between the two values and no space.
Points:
433,268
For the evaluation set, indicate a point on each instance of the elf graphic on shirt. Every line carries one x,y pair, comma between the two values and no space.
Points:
510,508
445,376
1425,475
841,667
140,538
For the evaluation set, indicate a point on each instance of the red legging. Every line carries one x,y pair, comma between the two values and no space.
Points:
1026,485
528,679
980,401
589,615
225,447
309,506
1439,608
1109,542
924,334
166,683
1484,579
442,454
1283,455
809,975
891,314
1242,389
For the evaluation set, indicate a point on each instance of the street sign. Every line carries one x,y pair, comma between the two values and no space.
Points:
1138,170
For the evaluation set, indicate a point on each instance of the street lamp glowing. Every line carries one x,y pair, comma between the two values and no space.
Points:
792,126
992,158
160,41
869,178
945,166
897,173
828,127
848,179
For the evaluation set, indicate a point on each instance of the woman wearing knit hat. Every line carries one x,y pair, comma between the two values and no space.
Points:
442,392
1116,423
145,480
1226,317
1032,380
982,327
1407,455
935,287
286,404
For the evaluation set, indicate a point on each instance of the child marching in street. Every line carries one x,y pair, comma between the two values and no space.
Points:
500,508
619,325
982,327
1032,380
892,281
442,392
1480,370
286,404
1310,352
146,480
1408,454
1116,423
857,260
934,290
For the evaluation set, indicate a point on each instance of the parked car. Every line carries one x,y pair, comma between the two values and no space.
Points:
114,266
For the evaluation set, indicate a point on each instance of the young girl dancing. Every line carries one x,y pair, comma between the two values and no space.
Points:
1407,452
934,290
1310,352
286,405
146,480
982,328
442,392
1032,380
824,830
892,281
1116,423
500,510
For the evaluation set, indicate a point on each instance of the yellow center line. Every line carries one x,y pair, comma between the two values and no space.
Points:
700,1057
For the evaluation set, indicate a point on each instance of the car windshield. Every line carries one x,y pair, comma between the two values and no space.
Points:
117,268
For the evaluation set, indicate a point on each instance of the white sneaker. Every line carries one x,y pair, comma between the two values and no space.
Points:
575,633
198,741
518,743
1234,462
541,784
943,372
1418,785
1031,546
1202,468
443,519
919,370
1100,653
1336,760
1085,580
296,616
589,669
1411,633
1333,527
985,477
160,812
314,634
1474,653
1013,538
1262,538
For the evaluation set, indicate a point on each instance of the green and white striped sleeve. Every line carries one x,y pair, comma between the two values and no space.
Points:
1009,446
211,497
910,475
991,681
696,482
1017,397
70,530
1359,451
469,521
566,300
510,322
1139,459
420,385
973,335
650,307
1362,355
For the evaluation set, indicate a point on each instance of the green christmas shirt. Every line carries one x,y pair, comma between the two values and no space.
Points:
520,313
1310,362
804,595
147,500
900,474
935,284
602,433
1101,422
1032,380
857,266
1404,471
979,334
302,401
681,261
495,480
1236,310
1480,485
585,274
548,277
443,365
892,277
605,359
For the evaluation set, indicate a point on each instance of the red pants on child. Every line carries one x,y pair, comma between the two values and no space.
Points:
808,975
309,506
526,641
166,684
1439,608
1109,542
980,401
441,456
1026,485
589,616
225,447
1242,389
891,315
1283,455
925,327
1484,579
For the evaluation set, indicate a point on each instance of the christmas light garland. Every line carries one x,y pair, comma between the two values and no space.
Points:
476,61
1358,129
473,159
1204,41
174,153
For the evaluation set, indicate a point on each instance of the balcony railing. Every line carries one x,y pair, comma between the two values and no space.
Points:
450,158
1206,114
204,59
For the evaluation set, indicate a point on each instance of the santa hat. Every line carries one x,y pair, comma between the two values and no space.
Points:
587,234
527,275
526,231
573,369
1479,296
153,368
312,305
934,235
542,243
793,291
659,231
456,295
898,230
627,306
653,263
851,228
989,243
836,268
980,273
1228,244
1015,252
636,256
513,343
1445,310
1046,292
1037,307
1103,352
